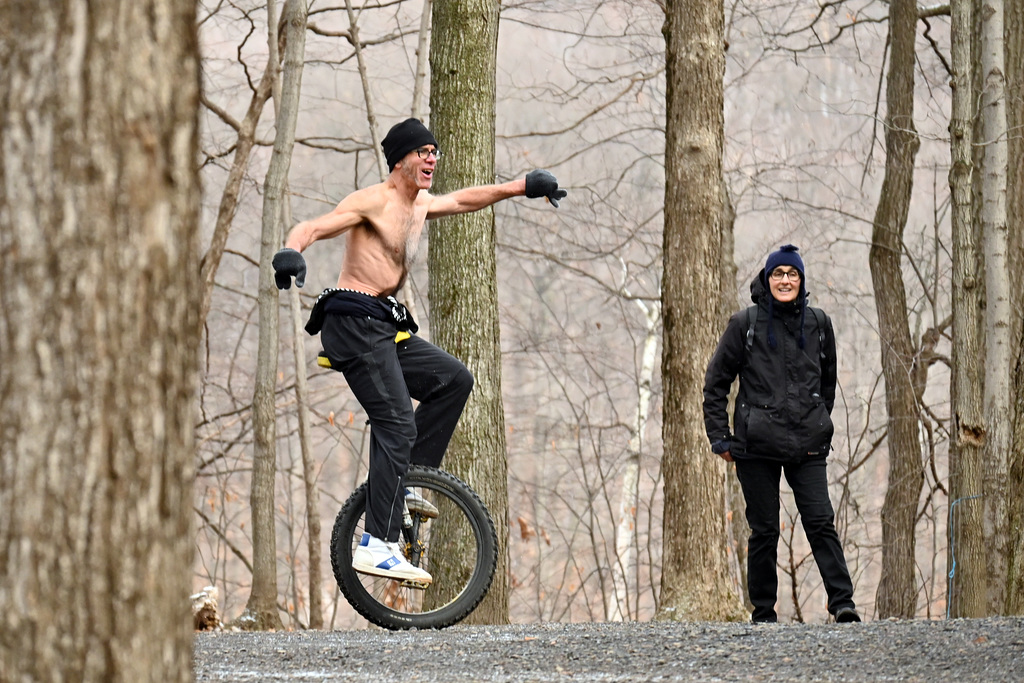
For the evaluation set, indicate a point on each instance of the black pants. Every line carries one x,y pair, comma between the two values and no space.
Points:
385,377
759,479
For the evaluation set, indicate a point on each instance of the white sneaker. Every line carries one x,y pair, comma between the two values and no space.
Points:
374,556
418,504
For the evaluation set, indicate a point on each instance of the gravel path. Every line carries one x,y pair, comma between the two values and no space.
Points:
957,650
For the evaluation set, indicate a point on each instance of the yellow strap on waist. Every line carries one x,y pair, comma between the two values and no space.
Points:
325,362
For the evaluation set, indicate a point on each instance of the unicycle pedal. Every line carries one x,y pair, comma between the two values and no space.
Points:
418,585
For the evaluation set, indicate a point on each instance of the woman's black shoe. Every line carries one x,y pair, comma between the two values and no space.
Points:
846,615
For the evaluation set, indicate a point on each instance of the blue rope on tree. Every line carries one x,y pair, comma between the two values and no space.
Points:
952,550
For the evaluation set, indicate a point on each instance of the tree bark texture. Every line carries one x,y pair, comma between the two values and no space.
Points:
997,309
897,593
965,596
462,263
1015,221
422,61
309,470
364,77
261,609
99,212
695,583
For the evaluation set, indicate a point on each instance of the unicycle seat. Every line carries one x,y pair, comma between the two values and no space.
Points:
323,361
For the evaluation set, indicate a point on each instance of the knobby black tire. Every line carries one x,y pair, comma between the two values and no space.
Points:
454,497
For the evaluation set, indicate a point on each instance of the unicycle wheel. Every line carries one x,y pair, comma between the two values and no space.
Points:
458,548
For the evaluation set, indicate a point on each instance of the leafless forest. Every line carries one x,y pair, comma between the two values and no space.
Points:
581,92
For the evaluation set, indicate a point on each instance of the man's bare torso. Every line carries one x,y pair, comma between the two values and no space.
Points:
379,250
383,223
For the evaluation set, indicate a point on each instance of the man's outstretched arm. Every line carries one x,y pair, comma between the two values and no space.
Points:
537,183
474,198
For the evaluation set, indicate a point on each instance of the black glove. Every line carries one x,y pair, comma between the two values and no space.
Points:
719,447
288,262
541,183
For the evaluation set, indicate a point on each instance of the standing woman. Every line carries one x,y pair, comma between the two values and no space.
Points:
784,353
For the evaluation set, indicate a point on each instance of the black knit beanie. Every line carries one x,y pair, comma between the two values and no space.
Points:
403,138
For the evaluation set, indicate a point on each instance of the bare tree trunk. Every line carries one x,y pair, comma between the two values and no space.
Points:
695,581
422,62
966,591
463,283
1015,219
99,216
261,610
897,588
997,301
371,113
617,600
309,478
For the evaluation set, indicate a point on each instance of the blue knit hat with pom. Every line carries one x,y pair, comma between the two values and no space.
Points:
786,255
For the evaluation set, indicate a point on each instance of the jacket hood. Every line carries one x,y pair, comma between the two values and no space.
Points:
757,289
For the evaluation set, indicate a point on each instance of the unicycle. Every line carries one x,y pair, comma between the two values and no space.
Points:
452,537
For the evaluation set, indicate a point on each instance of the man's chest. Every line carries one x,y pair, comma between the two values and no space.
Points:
398,230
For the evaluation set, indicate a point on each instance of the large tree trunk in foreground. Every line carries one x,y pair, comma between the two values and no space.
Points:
463,281
695,579
99,206
966,589
999,356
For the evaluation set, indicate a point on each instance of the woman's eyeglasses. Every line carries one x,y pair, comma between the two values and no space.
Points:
778,275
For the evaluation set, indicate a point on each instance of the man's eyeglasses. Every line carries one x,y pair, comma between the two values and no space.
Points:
778,275
423,153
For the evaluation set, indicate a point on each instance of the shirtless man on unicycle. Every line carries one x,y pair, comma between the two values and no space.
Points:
370,337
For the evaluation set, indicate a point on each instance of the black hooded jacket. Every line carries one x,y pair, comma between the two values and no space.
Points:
783,409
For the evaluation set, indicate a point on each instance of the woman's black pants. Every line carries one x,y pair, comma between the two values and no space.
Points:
385,377
760,479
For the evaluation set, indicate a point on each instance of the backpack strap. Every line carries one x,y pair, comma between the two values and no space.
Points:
748,340
819,316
